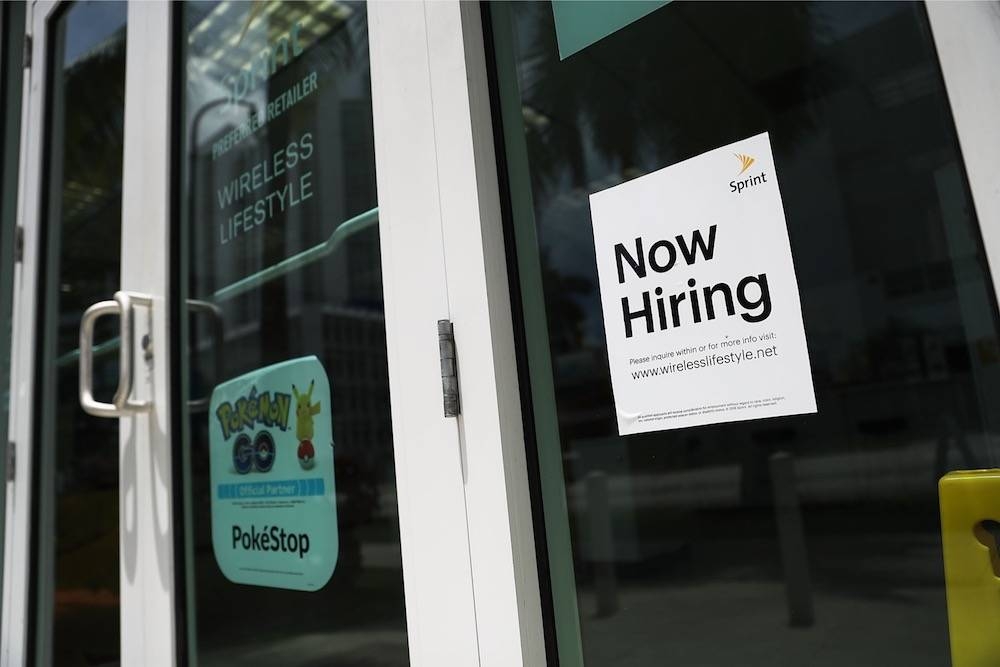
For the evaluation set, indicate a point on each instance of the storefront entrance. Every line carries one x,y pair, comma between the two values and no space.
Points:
310,347
231,442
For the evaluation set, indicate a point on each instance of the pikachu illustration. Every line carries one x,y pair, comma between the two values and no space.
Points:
305,410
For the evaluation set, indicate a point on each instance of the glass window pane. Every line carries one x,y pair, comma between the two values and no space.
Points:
898,309
279,261
75,594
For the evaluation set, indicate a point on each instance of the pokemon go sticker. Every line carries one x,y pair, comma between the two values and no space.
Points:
274,504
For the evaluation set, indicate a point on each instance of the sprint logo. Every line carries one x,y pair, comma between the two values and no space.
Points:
745,162
738,185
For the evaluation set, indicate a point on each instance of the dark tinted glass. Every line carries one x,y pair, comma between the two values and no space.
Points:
284,265
899,314
76,580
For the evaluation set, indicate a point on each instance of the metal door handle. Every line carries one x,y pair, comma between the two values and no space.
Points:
122,404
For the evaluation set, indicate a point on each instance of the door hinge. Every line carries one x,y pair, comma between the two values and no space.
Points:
26,55
18,244
449,368
11,459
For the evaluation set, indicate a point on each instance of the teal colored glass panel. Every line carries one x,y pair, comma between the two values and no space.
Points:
580,23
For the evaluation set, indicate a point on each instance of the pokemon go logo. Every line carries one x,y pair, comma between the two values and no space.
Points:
254,409
258,453
255,453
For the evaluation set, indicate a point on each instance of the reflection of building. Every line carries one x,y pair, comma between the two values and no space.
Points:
355,347
331,307
357,139
329,304
897,305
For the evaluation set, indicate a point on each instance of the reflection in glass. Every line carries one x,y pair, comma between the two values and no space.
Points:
76,616
280,258
680,539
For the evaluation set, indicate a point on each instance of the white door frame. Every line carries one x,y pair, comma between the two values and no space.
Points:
146,521
501,529
967,38
465,518
17,529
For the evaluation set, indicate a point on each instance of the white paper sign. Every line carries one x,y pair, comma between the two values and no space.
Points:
701,305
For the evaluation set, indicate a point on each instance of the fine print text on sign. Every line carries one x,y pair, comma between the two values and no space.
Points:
274,505
700,301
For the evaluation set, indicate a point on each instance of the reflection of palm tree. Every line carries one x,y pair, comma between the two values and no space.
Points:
673,84
95,84
340,28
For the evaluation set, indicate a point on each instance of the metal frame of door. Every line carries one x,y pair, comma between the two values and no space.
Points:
11,50
13,634
439,197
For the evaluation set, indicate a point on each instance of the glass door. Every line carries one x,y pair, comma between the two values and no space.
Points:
226,257
287,460
62,603
801,539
